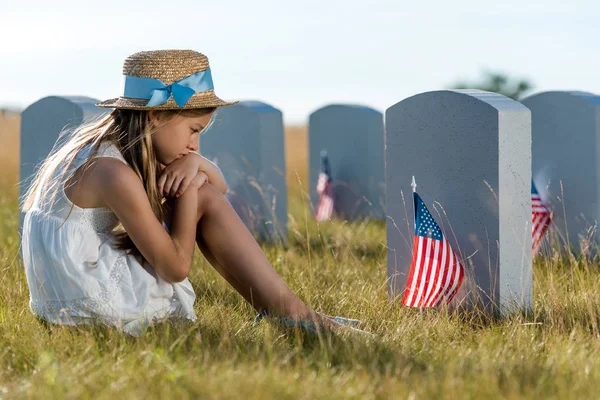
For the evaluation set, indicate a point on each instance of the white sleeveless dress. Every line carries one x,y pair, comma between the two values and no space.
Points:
77,276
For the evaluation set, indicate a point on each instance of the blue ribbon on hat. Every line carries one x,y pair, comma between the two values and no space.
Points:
157,92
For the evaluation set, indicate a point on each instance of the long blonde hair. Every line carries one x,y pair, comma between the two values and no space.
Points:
131,133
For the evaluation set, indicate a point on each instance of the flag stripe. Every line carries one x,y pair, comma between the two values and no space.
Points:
435,273
436,278
424,268
325,206
540,227
420,266
440,275
446,282
442,299
451,292
447,279
411,274
324,188
416,269
537,218
540,220
432,272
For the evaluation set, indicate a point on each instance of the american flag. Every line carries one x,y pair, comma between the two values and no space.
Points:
325,190
435,273
540,218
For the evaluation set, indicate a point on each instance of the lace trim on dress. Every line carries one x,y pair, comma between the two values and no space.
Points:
71,311
100,220
89,307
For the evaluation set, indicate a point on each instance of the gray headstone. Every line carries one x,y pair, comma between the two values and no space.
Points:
470,152
41,124
247,142
353,138
565,137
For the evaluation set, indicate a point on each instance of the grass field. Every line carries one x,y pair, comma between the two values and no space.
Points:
339,268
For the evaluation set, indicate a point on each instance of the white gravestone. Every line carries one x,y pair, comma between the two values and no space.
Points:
470,152
565,161
41,124
247,142
353,138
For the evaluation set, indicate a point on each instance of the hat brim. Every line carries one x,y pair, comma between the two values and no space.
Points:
206,99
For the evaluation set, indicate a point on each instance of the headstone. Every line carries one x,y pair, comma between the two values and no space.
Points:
247,142
470,152
41,124
353,138
566,156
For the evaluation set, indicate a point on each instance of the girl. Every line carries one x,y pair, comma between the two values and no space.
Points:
114,213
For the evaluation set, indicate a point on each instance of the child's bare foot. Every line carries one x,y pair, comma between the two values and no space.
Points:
342,320
314,321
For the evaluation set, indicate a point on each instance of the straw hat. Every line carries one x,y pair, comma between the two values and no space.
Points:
171,72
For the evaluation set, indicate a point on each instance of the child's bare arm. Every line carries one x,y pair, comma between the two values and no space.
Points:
176,176
215,176
123,192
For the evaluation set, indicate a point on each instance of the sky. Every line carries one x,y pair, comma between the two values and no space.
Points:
299,56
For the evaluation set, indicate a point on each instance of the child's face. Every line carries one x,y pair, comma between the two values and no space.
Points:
174,139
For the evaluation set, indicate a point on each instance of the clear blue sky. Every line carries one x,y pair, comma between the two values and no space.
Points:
300,55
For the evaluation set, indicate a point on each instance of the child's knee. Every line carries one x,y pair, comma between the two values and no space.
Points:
209,199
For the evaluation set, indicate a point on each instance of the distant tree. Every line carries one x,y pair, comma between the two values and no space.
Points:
498,83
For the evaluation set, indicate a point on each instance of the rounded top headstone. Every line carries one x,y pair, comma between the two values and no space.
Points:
469,151
86,104
573,94
248,109
492,99
354,108
258,106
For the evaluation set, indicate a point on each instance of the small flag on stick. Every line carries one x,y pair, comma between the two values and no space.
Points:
435,273
540,218
325,190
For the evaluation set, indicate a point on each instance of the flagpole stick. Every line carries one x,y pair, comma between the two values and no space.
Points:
414,189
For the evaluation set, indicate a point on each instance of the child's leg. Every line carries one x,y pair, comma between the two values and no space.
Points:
243,290
237,253
237,285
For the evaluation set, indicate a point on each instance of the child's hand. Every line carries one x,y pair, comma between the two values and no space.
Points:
200,179
177,176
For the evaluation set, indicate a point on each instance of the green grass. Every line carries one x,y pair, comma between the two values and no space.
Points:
339,268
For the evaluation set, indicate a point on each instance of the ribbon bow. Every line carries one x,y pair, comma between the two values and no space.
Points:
158,93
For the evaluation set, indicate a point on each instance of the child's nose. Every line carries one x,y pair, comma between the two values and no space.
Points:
194,145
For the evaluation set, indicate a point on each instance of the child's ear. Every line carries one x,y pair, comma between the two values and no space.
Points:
152,117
